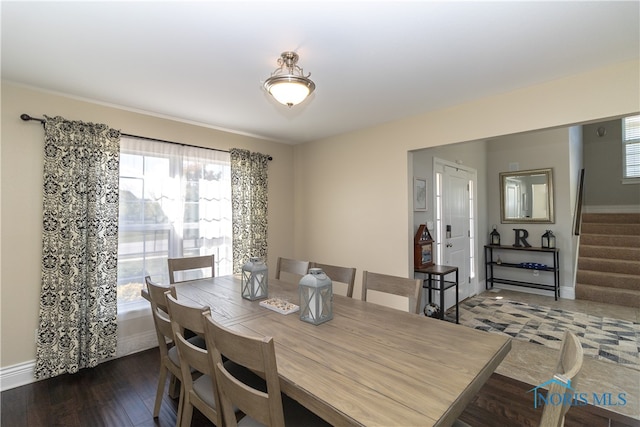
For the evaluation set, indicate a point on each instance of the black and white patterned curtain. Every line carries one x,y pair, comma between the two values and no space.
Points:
78,302
249,206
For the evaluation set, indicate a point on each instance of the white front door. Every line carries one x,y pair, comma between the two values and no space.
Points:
456,229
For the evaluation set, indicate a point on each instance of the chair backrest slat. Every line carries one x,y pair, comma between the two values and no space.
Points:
293,267
190,263
409,288
186,316
346,275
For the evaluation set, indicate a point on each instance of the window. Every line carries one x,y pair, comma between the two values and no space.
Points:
631,148
174,201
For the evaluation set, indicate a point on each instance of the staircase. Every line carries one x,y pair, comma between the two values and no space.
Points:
609,259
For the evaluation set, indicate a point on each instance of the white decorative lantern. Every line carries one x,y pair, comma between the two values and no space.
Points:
255,279
316,297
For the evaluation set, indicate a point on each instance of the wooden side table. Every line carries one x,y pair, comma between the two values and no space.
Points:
441,271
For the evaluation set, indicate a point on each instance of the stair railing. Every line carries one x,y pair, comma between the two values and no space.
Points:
577,220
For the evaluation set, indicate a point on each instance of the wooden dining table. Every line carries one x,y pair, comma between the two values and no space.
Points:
370,365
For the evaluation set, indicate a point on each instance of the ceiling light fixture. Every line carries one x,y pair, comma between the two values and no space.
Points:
288,84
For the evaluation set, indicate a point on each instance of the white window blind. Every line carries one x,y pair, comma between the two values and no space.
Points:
631,147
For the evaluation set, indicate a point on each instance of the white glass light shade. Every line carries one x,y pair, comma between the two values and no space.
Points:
289,90
316,297
255,278
288,84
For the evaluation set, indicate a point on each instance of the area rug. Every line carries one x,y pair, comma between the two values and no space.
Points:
606,339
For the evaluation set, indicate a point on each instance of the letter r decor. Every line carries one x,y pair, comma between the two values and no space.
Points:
521,236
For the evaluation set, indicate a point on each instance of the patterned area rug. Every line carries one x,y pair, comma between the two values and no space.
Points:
611,340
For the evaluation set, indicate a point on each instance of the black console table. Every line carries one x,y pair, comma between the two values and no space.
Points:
492,264
442,285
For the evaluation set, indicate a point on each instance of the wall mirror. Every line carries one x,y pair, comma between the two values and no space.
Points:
526,196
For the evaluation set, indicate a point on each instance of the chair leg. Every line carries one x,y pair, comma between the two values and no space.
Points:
174,387
187,410
160,391
181,408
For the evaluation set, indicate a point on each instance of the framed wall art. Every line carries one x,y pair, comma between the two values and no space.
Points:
419,194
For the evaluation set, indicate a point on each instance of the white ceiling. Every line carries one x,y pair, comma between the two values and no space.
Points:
372,61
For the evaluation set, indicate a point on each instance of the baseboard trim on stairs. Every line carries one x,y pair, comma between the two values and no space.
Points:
611,209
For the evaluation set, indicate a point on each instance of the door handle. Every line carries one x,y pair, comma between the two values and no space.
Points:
448,231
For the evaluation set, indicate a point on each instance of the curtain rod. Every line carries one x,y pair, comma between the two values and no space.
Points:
27,118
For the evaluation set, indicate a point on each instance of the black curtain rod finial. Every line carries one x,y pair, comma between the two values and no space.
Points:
27,117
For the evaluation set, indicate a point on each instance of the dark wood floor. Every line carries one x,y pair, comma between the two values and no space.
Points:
503,401
121,393
118,393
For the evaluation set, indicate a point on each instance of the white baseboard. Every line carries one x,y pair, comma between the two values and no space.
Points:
17,375
480,287
565,292
23,373
611,209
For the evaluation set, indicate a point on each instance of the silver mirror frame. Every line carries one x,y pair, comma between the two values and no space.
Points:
548,173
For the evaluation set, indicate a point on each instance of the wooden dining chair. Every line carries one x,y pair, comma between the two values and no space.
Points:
567,372
342,275
409,288
201,392
566,375
261,402
169,359
293,268
182,265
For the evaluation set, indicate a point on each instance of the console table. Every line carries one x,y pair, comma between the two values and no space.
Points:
443,285
491,264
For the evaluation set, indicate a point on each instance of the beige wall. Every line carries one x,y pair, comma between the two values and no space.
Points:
603,168
21,211
352,190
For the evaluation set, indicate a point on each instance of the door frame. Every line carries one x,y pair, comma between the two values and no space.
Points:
438,166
